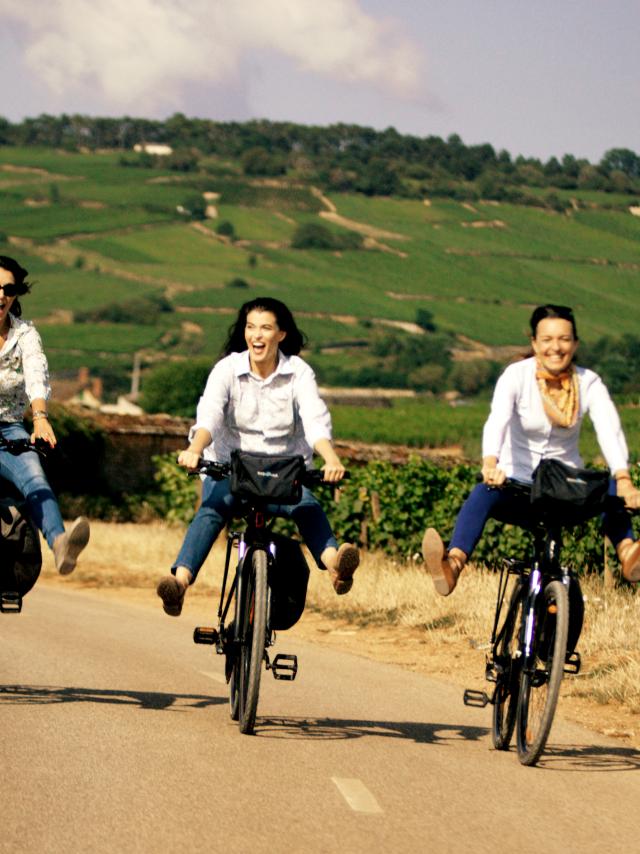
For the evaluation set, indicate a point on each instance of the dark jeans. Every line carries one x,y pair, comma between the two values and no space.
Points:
507,506
219,506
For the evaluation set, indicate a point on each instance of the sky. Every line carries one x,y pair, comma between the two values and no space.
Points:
540,79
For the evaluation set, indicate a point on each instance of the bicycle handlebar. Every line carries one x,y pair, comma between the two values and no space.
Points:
20,446
218,471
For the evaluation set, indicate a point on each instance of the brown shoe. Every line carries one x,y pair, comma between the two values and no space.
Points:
67,546
347,561
630,562
443,569
172,593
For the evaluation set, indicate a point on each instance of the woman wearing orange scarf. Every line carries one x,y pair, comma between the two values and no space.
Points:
536,413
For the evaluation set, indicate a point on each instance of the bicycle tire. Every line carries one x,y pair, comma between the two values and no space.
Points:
254,625
233,663
234,693
540,679
506,654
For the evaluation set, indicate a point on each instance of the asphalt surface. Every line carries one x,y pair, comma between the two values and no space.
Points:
115,736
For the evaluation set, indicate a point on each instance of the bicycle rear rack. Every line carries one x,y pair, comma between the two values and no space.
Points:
10,602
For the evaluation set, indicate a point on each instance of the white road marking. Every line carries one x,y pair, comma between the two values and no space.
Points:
217,677
357,795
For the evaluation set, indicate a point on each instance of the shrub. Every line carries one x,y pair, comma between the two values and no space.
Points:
226,229
312,235
142,310
175,388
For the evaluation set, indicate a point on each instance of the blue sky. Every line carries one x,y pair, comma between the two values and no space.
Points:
537,78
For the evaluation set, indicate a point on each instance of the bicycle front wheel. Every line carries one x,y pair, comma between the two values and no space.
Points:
509,663
254,634
541,677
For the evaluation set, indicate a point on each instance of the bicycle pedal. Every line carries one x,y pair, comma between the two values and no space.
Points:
573,663
475,698
10,603
284,667
205,634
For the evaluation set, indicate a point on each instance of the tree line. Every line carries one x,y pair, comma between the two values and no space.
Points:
341,157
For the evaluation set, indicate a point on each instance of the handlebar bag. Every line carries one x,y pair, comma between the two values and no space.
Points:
271,479
570,493
20,554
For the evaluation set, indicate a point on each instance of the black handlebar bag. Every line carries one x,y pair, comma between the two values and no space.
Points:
270,479
567,494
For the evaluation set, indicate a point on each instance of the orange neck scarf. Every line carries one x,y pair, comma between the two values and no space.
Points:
561,404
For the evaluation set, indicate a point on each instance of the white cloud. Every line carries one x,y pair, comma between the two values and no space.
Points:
129,51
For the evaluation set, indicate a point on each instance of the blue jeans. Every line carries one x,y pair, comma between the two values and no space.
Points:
506,506
25,472
219,506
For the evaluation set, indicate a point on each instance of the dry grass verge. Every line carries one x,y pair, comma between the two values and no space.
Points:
393,614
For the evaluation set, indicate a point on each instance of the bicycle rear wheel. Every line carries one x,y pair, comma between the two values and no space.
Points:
506,657
541,677
254,632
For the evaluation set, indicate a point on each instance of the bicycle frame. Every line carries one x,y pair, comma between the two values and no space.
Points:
528,647
245,634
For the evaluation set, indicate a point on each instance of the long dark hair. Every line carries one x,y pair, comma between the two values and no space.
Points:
291,345
542,312
20,278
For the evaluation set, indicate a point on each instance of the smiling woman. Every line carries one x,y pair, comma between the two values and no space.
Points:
24,381
536,413
262,398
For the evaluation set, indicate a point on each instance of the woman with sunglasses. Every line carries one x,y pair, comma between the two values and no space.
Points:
24,382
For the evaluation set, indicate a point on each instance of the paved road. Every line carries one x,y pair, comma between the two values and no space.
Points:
115,737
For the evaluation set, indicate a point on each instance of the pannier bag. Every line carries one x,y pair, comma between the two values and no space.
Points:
20,554
569,493
288,580
272,479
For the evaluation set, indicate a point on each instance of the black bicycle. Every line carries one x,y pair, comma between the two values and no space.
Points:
533,640
20,553
266,593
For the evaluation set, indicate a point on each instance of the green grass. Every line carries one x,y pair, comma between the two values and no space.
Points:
99,337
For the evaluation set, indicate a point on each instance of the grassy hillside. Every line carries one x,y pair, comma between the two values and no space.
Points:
94,232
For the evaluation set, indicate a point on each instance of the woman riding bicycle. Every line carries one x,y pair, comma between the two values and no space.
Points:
536,413
24,380
260,397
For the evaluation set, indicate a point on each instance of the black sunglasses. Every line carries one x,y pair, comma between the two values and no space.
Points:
12,290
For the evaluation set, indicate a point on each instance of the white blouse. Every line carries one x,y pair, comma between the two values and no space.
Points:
282,414
24,373
519,433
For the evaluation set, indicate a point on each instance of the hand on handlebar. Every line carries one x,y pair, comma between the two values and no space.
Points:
189,459
43,433
629,494
333,473
492,475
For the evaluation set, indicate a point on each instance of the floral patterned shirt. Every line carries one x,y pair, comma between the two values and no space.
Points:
24,372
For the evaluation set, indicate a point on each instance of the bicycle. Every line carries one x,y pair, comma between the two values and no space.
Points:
19,539
533,644
266,594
